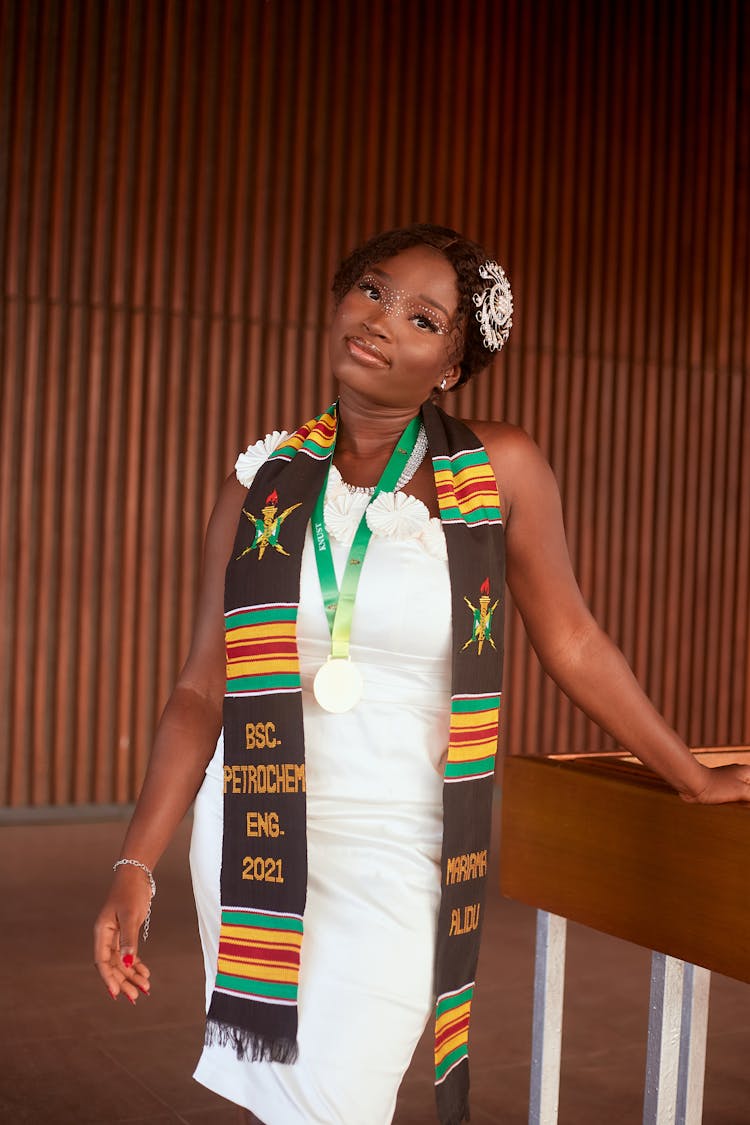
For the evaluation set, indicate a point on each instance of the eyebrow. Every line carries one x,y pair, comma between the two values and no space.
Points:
428,300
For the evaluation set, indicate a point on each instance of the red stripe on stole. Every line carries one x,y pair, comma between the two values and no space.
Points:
478,734
451,1030
322,426
444,487
465,493
260,953
260,648
470,489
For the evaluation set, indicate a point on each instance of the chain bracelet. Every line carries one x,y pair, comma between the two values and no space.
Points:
152,885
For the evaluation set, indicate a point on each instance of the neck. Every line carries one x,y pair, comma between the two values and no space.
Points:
366,429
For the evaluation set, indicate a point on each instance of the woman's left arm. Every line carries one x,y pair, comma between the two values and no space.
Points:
572,648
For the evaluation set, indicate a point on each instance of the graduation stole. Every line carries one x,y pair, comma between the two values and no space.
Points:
264,861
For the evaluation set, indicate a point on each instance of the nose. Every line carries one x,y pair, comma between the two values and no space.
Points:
374,321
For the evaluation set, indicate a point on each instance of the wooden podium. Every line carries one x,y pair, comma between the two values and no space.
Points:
603,841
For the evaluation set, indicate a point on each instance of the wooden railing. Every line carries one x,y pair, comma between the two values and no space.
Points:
602,841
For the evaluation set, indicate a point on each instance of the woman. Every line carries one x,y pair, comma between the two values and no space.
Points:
349,795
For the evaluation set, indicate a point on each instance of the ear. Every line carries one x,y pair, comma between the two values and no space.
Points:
451,376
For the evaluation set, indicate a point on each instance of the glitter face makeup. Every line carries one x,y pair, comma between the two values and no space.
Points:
398,302
394,331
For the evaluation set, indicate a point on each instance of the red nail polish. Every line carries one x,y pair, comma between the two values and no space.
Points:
130,998
128,960
143,990
112,994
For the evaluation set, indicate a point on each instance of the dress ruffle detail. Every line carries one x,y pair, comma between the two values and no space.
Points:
432,539
342,513
336,486
395,515
391,515
248,463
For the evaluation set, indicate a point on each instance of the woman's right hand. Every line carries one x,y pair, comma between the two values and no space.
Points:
185,740
116,935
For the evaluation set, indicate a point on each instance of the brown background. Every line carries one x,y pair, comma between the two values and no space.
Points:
177,182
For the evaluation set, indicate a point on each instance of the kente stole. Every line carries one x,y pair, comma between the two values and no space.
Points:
264,859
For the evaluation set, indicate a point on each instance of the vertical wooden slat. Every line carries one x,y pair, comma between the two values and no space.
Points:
177,183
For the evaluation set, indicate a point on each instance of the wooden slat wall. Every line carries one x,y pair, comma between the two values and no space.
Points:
178,180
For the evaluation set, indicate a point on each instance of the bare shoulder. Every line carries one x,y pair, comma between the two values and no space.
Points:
516,459
503,440
222,527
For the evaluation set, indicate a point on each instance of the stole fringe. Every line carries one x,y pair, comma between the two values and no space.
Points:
458,1117
453,1104
250,1046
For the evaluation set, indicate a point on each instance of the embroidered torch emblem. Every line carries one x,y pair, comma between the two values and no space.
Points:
267,526
482,624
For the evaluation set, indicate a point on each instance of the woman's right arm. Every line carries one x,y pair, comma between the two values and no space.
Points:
184,742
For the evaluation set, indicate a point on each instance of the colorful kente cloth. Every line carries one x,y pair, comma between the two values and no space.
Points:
254,1003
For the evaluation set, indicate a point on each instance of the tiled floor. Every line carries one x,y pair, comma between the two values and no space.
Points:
73,1057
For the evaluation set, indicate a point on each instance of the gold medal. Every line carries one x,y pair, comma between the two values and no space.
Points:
338,685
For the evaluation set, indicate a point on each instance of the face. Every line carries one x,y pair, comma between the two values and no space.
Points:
394,335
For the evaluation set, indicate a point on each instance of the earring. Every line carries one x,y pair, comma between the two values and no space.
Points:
444,383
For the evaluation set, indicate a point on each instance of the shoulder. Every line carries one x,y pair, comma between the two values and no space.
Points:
222,526
510,449
517,461
502,439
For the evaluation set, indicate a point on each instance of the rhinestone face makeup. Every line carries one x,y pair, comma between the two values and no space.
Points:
398,302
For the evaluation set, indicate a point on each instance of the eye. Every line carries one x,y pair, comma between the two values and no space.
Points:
369,288
425,324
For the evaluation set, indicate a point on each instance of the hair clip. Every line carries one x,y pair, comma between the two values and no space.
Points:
494,307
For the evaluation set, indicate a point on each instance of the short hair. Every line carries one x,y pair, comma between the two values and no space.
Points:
465,256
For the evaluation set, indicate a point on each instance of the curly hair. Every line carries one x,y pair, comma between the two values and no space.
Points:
466,257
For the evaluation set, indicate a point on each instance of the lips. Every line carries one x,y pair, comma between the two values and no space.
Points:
365,353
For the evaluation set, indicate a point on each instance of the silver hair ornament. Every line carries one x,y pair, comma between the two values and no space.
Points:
494,307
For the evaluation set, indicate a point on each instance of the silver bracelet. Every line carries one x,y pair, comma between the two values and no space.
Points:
152,884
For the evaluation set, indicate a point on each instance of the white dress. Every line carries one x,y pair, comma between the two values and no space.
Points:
374,831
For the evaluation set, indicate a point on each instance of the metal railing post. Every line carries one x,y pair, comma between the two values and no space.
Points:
549,986
696,983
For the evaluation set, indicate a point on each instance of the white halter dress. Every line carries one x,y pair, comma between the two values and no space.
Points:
374,827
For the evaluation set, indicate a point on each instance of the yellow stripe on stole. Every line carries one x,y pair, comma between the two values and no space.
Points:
476,474
261,666
294,441
265,631
477,750
234,967
468,720
450,1045
470,478
484,736
253,935
451,1016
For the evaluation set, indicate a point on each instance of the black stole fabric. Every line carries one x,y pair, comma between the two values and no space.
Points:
264,860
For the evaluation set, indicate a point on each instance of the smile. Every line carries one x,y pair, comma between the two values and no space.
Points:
365,353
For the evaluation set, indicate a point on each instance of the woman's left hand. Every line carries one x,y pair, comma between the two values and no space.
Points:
723,785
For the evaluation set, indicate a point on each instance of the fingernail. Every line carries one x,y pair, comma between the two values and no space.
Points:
112,994
130,998
143,990
128,960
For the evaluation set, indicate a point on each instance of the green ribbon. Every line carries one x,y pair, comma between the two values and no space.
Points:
339,604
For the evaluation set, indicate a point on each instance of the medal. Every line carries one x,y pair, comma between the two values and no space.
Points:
338,685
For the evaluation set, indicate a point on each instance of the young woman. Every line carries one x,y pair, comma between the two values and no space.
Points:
345,676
